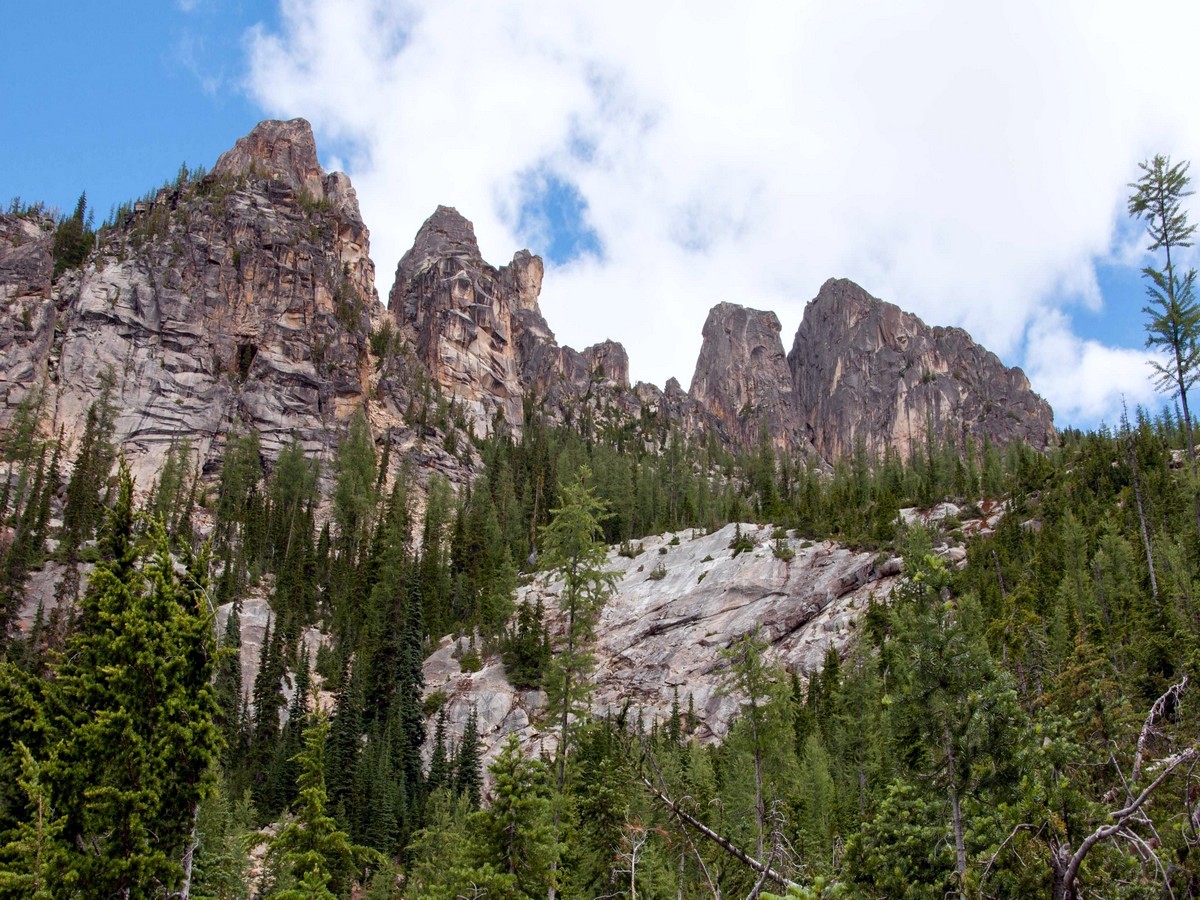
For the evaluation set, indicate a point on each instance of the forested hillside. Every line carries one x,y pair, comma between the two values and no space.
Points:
245,511
1021,725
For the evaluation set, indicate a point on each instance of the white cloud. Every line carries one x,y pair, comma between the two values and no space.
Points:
1083,380
966,161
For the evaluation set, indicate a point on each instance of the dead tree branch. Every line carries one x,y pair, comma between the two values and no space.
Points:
1173,695
726,845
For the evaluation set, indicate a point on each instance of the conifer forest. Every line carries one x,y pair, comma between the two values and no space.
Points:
1018,715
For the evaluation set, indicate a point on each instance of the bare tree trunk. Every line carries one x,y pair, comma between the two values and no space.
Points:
189,855
723,843
682,863
562,737
1137,496
960,847
1119,818
760,810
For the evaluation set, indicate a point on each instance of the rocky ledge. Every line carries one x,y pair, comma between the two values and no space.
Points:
677,604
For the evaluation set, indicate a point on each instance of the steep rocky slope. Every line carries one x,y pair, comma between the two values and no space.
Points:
742,378
662,632
865,370
27,311
246,300
238,300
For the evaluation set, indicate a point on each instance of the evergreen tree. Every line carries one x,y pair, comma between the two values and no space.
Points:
1173,313
410,686
440,770
958,716
468,772
83,509
575,552
312,856
27,861
515,832
73,238
137,723
228,686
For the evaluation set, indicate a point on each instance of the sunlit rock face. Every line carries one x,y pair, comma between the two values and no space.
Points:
661,634
480,334
241,300
866,372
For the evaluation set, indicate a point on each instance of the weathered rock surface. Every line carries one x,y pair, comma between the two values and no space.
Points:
27,310
241,301
859,370
866,371
254,617
457,313
281,151
662,633
742,378
480,334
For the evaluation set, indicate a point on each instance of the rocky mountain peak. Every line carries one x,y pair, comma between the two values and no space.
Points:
742,377
284,151
239,301
523,278
447,234
609,363
865,371
842,297
481,337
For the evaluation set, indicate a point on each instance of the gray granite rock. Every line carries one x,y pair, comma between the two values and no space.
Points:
742,378
867,372
659,635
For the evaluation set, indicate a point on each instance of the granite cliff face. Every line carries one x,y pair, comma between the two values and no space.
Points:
480,334
660,637
27,311
742,379
866,371
241,300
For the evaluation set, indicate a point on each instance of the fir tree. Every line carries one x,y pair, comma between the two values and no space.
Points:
313,857
515,833
137,728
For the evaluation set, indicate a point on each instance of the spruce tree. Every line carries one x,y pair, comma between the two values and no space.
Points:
313,856
137,717
468,772
410,685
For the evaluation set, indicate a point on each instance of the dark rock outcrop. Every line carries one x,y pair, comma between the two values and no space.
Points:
27,311
742,378
867,372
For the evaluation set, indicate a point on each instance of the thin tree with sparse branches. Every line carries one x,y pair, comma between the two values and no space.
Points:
1173,313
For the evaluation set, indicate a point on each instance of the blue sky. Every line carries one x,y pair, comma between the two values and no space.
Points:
968,163
111,99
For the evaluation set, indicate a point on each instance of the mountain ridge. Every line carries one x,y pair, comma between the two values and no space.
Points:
246,299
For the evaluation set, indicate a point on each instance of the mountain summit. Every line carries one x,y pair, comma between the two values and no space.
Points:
245,300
